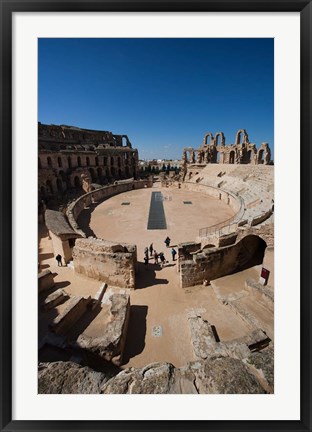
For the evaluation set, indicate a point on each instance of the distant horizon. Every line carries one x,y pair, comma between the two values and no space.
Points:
165,94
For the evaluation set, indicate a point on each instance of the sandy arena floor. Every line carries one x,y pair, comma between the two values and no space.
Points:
158,300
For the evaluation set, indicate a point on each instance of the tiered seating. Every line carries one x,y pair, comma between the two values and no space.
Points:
253,183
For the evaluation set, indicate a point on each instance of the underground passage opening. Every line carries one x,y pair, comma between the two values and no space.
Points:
251,252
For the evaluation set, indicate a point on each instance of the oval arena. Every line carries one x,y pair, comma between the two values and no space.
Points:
106,309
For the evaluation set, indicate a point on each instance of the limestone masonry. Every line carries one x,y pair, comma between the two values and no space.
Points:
70,157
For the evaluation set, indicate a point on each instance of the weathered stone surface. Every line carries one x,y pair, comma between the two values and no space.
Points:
68,378
45,280
54,299
109,262
213,376
111,344
264,362
218,375
206,346
264,291
76,307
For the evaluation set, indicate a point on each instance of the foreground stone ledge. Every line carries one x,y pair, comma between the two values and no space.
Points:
113,322
76,307
219,375
45,280
54,299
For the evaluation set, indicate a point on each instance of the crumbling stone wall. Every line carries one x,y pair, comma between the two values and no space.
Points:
214,150
109,262
212,263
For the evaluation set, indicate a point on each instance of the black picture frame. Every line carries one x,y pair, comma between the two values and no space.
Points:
7,9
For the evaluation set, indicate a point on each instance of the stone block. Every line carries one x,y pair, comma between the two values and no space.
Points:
45,280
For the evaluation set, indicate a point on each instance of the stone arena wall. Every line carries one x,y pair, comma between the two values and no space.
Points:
207,266
197,262
235,202
109,262
98,195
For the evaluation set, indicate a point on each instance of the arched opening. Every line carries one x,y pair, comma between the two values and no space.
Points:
93,175
77,182
260,157
69,161
105,161
59,161
112,161
88,161
127,172
96,160
49,161
133,161
210,136
59,185
232,157
39,163
99,174
218,157
124,141
79,161
113,172
63,176
49,186
119,173
251,252
222,139
248,157
119,161
238,137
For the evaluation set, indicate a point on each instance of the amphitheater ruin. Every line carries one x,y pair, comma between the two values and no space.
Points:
108,323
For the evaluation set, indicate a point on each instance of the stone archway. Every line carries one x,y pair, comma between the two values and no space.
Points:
260,160
59,185
77,183
241,137
251,252
49,186
232,157
93,175
99,174
211,140
222,139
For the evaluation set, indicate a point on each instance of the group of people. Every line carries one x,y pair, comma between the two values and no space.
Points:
159,258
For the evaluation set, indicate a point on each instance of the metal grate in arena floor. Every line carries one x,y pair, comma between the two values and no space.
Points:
125,203
187,202
156,217
157,331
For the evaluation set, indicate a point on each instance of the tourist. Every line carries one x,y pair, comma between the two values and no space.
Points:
167,241
59,260
146,252
156,257
146,262
151,249
162,259
173,253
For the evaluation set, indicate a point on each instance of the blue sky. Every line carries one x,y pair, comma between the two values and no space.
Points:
165,94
